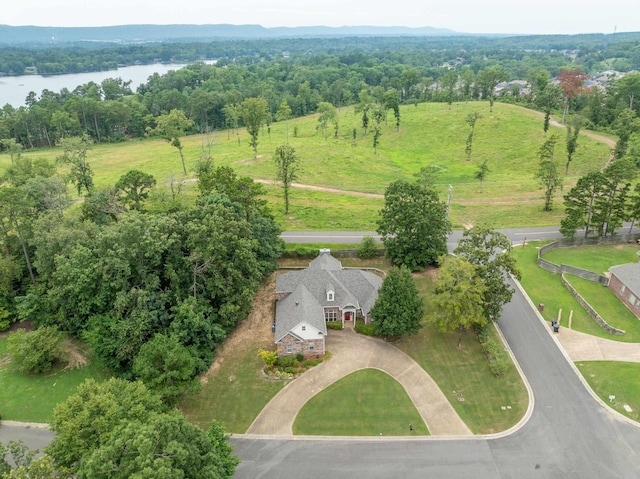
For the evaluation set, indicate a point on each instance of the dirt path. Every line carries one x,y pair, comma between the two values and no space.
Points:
322,188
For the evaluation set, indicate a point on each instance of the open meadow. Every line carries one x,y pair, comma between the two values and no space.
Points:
429,134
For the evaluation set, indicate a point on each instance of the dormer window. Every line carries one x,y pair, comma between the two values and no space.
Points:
330,296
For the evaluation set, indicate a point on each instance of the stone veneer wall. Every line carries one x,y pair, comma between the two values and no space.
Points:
592,312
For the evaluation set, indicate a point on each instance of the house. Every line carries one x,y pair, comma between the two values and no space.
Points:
625,284
323,292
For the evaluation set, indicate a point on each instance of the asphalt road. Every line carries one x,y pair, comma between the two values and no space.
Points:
515,235
569,434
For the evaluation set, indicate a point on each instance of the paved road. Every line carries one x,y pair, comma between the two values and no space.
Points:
515,235
34,437
569,434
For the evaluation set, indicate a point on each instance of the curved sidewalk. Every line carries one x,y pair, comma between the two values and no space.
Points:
351,352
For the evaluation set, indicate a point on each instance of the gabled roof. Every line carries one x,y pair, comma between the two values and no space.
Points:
629,275
352,287
300,305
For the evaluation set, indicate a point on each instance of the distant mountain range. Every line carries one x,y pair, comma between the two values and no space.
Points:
160,33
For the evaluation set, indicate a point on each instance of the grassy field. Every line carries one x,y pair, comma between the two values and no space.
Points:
466,372
365,403
547,288
31,397
430,134
614,378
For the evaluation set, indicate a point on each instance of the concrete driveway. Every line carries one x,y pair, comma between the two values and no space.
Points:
351,352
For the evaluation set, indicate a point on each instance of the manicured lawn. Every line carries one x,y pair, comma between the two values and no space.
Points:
598,258
32,398
365,403
615,378
466,372
547,288
430,134
608,306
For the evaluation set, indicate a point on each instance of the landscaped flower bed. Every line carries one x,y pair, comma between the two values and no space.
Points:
285,367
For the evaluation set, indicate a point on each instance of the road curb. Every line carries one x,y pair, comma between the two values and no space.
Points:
26,425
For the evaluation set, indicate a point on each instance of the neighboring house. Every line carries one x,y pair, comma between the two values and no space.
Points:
309,298
625,283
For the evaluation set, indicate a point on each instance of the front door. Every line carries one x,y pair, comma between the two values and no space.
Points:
347,316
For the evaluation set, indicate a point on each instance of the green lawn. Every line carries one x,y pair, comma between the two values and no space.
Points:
234,395
466,372
547,288
615,378
32,398
607,304
430,134
365,403
597,258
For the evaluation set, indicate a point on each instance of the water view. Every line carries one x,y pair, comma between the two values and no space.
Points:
14,90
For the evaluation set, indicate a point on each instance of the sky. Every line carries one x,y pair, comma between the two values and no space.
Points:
466,16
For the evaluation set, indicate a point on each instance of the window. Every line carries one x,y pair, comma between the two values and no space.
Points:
330,315
312,346
289,348
622,289
304,328
632,299
330,296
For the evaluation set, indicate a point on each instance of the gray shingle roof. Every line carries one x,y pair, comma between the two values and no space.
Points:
295,307
352,287
629,275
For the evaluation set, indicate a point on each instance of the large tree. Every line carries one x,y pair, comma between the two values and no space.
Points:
287,166
547,172
134,186
488,79
571,83
118,429
398,309
74,154
166,367
489,251
459,296
413,224
254,114
171,126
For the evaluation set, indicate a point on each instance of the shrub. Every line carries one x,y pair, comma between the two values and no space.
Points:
367,248
300,252
309,363
36,351
334,325
366,329
287,361
496,356
291,370
300,357
269,357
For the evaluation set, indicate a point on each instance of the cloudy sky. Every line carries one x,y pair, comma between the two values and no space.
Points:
471,16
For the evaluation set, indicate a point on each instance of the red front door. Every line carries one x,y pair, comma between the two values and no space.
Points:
347,316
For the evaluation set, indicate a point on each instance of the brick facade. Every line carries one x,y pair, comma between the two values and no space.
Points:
301,346
625,295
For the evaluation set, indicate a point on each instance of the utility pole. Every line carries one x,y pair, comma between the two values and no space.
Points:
449,196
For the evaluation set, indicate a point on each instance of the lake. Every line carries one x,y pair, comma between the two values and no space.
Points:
14,90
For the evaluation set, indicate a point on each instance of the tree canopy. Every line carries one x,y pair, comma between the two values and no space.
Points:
413,224
398,310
